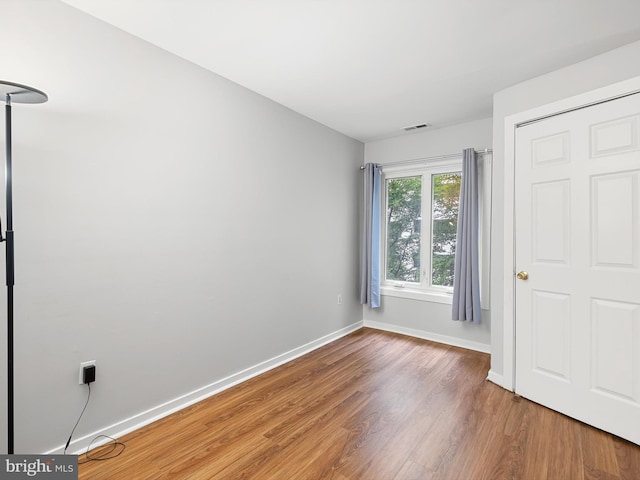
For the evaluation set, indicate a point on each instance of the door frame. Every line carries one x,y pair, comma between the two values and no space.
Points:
511,123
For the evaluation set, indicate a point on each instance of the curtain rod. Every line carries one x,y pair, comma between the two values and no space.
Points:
483,151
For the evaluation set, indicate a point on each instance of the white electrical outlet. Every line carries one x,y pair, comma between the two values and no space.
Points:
339,299
82,365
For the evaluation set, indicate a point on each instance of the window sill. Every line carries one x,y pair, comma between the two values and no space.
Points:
414,294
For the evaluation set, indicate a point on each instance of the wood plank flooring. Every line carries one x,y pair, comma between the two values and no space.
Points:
373,406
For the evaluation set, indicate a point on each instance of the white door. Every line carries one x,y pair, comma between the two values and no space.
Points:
577,221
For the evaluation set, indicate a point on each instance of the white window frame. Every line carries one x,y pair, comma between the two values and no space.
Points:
424,290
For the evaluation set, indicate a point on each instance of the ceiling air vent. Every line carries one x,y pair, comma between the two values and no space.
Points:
416,127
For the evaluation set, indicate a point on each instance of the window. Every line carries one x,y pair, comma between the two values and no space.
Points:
419,230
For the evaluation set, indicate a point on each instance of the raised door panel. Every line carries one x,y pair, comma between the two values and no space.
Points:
615,220
615,136
551,330
615,340
551,222
551,150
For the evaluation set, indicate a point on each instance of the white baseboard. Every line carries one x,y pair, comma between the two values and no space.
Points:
435,337
496,378
141,419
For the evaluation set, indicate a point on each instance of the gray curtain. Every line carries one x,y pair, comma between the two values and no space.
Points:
370,251
466,281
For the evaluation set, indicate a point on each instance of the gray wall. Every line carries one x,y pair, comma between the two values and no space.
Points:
611,67
427,318
171,225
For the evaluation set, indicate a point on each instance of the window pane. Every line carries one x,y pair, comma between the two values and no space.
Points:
403,228
446,202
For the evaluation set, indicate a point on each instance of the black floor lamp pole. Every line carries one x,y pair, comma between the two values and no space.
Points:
12,92
10,272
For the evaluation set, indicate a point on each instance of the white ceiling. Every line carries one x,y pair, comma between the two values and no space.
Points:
368,68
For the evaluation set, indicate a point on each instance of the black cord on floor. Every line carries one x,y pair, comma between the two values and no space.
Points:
113,446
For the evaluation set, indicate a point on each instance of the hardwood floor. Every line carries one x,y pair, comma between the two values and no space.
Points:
374,406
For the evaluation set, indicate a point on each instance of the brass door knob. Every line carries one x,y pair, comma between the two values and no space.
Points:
522,275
